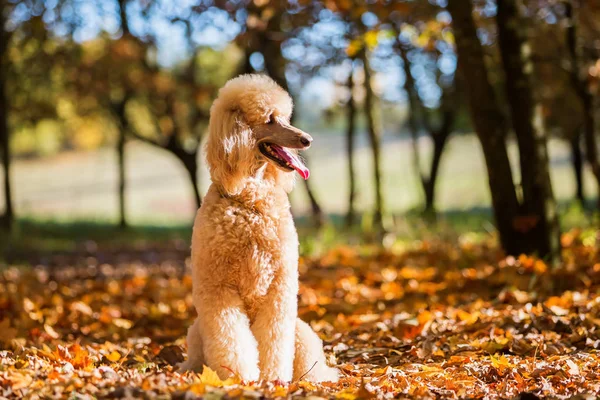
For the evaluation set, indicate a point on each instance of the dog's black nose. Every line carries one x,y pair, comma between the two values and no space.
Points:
305,141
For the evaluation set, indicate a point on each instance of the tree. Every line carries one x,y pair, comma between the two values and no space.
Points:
374,130
123,124
350,143
333,54
172,102
527,121
422,42
419,116
577,160
562,107
7,219
128,83
107,77
580,84
119,109
518,231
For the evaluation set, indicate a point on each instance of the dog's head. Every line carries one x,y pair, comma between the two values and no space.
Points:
250,129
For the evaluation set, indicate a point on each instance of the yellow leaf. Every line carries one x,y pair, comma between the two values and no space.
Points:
424,317
280,391
197,388
210,378
308,386
500,362
371,39
114,356
346,394
448,36
467,317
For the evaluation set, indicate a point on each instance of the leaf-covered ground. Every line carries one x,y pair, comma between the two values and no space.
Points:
430,319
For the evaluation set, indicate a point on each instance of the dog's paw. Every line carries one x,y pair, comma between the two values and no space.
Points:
322,373
329,374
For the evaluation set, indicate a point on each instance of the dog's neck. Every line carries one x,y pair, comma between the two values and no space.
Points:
267,188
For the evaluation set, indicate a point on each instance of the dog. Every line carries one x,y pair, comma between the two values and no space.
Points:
245,245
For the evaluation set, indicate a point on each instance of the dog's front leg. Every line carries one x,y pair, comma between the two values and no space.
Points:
227,341
274,328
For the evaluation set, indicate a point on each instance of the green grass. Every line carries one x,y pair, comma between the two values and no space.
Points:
35,237
54,195
32,236
82,186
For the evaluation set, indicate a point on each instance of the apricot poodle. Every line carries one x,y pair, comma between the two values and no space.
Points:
245,245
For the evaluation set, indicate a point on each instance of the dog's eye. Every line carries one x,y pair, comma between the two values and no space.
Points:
271,120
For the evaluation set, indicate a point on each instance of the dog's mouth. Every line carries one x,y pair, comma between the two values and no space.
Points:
284,158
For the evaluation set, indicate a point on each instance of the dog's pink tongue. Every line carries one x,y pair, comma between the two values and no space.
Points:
302,170
294,161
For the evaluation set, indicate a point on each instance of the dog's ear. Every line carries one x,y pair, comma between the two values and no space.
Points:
229,150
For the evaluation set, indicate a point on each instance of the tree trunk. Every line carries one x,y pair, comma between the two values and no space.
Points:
122,182
190,162
542,235
440,139
414,111
123,16
124,124
591,145
119,110
577,160
7,219
439,136
245,66
350,138
581,88
374,129
317,213
488,123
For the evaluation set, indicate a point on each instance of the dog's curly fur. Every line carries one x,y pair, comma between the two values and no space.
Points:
245,250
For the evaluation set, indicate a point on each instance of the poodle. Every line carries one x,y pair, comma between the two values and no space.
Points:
245,245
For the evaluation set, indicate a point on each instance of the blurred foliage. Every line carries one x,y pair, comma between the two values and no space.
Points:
56,76
79,73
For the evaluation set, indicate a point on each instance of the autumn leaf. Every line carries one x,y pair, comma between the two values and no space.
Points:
431,319
198,388
114,356
210,378
501,362
371,39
